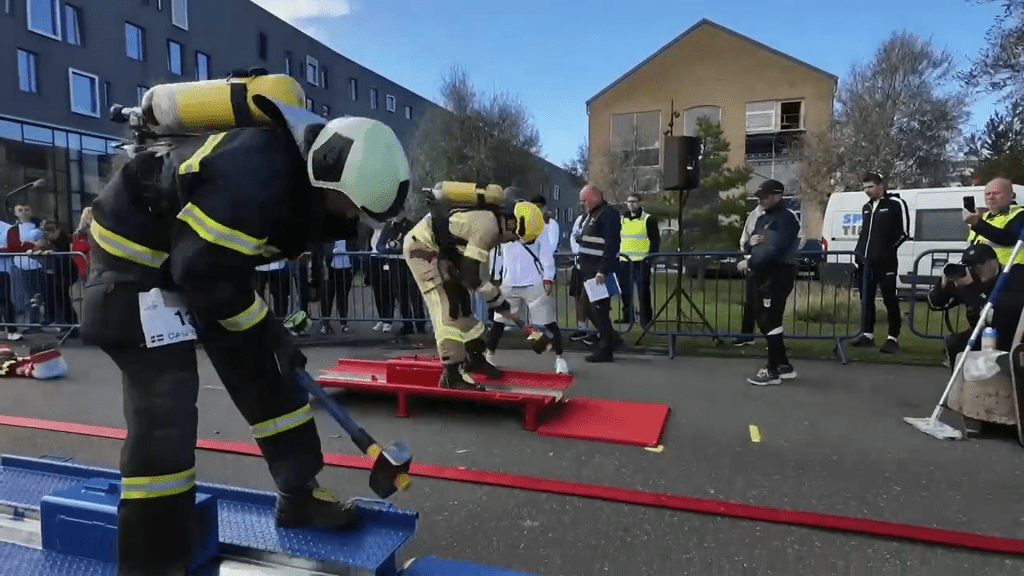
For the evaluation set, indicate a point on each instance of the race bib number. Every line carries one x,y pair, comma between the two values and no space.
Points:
165,318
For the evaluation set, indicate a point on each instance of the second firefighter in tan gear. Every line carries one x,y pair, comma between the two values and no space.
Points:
448,281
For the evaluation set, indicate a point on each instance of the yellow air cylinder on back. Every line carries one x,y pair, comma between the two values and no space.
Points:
216,105
467,193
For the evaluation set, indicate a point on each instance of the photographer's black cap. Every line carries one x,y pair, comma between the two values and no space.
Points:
978,254
770,187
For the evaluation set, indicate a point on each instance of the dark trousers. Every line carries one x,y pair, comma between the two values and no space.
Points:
410,301
773,288
280,282
880,278
749,304
339,284
161,389
600,315
636,274
380,283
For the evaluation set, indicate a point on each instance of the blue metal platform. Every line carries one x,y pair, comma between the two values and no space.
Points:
245,519
247,531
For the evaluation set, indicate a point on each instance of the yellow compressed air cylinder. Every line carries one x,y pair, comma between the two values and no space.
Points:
215,105
467,193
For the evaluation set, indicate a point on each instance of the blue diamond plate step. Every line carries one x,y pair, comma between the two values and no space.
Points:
245,518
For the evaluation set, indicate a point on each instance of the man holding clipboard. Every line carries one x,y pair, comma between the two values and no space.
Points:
599,240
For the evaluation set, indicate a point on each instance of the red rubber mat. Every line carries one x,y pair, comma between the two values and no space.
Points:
607,421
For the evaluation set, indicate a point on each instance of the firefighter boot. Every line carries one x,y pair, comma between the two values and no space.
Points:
316,508
477,362
455,377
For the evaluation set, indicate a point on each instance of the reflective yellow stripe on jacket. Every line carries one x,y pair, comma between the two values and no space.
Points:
282,423
634,243
247,318
999,221
122,247
139,487
191,165
216,233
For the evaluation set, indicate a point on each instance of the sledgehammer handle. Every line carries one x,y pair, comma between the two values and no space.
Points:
361,438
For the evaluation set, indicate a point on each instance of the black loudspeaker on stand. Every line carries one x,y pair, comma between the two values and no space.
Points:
682,173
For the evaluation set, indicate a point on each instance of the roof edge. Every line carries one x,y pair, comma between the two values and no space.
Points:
717,26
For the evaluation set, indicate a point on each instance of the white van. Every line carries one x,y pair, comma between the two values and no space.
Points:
935,224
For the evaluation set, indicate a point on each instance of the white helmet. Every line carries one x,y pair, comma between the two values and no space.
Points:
364,160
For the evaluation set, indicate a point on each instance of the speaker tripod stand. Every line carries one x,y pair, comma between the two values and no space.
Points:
679,293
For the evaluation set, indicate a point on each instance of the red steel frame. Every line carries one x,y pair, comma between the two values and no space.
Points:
411,376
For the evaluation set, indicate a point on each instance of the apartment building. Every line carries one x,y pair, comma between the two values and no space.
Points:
764,100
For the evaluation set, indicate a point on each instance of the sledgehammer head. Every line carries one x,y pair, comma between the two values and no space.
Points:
539,341
390,470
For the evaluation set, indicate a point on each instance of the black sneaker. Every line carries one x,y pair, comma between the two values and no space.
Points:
316,509
591,340
743,341
863,342
890,346
787,372
578,336
766,377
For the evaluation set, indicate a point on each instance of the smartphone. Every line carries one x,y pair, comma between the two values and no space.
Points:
969,203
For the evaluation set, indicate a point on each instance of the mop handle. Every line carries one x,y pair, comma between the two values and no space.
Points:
979,326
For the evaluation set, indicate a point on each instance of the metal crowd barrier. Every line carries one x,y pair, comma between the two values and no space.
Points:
692,294
41,292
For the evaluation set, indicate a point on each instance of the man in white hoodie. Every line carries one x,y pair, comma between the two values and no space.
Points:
527,273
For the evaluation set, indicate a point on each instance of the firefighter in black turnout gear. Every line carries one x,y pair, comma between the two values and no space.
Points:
176,238
773,247
884,228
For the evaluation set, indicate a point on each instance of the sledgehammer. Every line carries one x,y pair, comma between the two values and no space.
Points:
541,338
390,470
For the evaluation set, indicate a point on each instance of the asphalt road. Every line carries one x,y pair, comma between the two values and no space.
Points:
831,441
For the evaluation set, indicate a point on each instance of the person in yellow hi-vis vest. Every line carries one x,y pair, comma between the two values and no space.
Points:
639,238
1000,225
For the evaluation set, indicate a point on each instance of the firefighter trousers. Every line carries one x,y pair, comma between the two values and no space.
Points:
449,305
161,389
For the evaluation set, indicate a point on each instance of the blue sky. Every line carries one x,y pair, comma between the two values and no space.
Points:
556,54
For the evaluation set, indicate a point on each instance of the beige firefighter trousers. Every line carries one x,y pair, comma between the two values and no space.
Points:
451,334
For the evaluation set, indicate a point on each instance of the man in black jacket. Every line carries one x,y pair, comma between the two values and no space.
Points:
884,228
773,246
598,259
970,284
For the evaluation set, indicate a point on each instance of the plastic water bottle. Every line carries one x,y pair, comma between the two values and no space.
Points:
988,339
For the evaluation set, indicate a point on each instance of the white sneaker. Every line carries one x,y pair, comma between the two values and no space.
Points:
378,326
386,327
561,366
489,356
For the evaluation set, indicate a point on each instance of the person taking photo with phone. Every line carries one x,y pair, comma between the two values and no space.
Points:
1000,224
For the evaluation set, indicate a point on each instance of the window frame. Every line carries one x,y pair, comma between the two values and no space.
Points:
774,112
315,80
58,18
71,91
310,104
374,99
142,42
353,89
408,112
34,80
77,11
183,6
181,57
199,55
390,103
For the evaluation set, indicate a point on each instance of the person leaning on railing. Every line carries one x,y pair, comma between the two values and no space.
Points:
969,283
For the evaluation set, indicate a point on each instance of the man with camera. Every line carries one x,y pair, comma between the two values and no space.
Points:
969,283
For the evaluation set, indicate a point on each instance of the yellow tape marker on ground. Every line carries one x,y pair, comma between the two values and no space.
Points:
657,449
755,434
